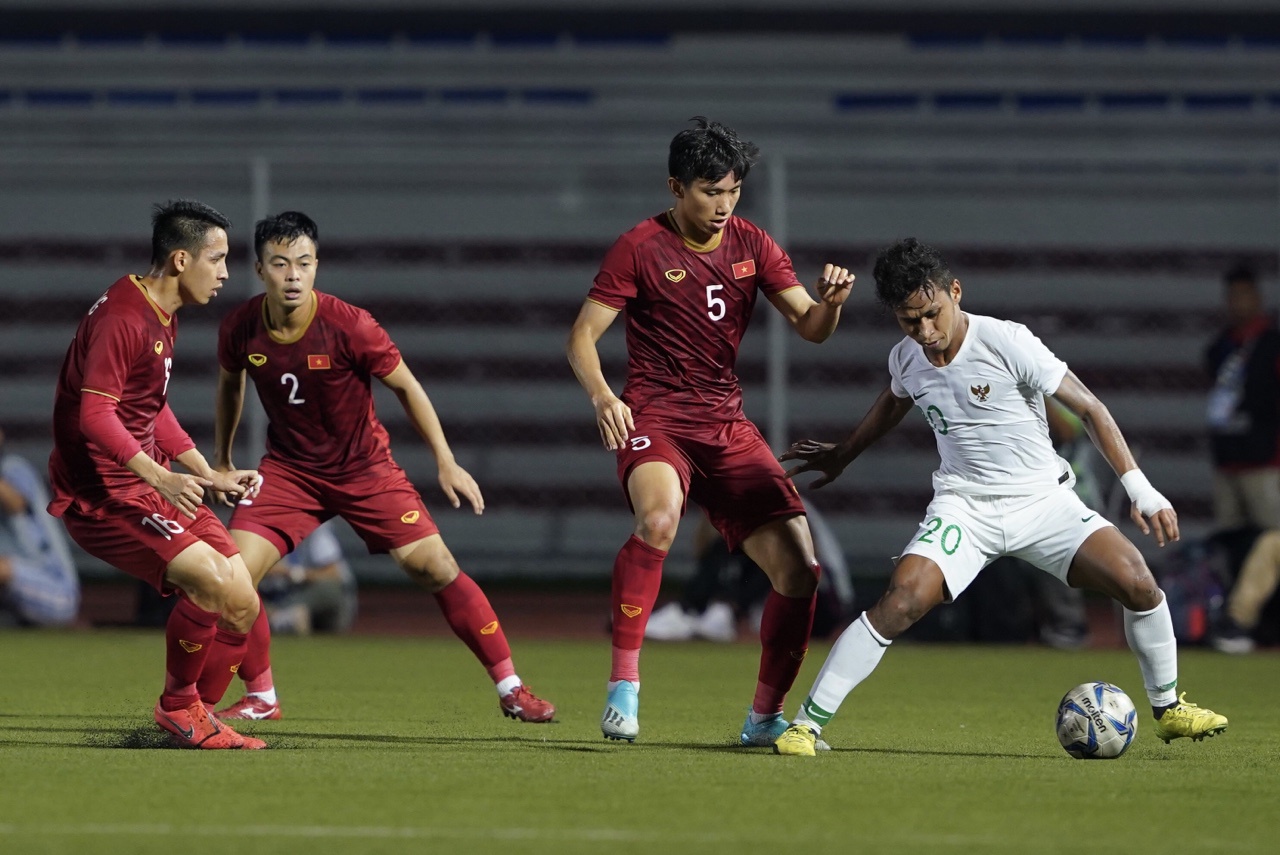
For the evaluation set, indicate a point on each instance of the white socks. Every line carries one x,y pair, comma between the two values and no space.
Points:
1150,636
269,696
855,655
507,685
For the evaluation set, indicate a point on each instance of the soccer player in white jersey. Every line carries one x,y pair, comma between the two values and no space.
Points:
1001,490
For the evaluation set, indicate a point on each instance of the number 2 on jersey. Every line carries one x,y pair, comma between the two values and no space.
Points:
949,539
286,379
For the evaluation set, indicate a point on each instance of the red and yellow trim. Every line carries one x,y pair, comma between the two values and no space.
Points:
165,317
278,338
709,246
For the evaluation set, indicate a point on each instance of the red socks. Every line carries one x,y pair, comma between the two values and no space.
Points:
255,668
188,638
637,575
784,640
222,664
473,620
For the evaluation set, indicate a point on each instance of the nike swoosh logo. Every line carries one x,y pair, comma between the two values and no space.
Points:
918,397
1086,519
187,732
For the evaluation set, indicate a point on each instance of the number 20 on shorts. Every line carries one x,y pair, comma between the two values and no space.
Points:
949,535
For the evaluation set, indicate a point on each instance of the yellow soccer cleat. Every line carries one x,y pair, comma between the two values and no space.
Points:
798,740
1184,719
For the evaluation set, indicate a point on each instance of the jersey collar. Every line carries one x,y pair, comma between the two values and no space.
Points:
710,245
165,317
277,337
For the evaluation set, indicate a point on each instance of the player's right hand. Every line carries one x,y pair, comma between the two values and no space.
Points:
185,492
825,457
614,420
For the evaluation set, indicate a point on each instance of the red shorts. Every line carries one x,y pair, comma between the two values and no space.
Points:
726,467
141,536
379,503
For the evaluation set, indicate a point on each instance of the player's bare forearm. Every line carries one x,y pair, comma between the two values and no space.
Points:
227,407
613,417
885,413
816,320
1098,423
195,463
830,459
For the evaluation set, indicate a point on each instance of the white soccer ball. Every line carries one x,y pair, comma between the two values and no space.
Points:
1096,721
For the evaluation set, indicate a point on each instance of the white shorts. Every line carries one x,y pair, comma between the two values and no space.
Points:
963,534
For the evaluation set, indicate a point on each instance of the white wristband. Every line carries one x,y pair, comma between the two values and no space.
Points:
1146,499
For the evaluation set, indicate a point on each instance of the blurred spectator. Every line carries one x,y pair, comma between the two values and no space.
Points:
312,589
1244,409
38,582
727,588
1255,585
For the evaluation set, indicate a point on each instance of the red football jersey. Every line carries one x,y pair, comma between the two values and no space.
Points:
122,349
687,309
315,387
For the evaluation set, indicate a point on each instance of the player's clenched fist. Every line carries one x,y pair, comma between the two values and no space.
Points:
835,284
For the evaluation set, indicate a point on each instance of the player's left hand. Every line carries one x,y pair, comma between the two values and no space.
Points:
1164,523
237,483
834,285
455,481
829,458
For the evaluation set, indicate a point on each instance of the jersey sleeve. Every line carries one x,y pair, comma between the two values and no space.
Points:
170,437
372,348
110,352
1031,362
895,374
230,345
616,281
776,271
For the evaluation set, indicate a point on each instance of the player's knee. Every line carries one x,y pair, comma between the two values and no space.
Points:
241,608
428,569
902,605
1137,587
798,580
658,527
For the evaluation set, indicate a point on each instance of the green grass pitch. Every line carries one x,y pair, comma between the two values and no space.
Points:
396,745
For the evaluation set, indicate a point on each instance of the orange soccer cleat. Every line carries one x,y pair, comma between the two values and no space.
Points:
194,727
524,705
250,708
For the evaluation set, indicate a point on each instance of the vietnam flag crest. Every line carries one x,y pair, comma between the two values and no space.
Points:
743,269
318,361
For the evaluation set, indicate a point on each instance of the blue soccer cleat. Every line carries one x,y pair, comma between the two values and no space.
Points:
764,734
621,719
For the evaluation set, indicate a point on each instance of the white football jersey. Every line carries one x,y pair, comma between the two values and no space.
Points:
987,409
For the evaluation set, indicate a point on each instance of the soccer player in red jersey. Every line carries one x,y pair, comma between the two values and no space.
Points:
688,280
311,357
114,436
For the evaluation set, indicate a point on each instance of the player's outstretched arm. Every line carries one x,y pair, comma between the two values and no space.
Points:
1150,511
816,320
228,404
454,480
831,458
612,416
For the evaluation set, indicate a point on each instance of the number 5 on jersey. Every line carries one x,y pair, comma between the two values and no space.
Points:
716,306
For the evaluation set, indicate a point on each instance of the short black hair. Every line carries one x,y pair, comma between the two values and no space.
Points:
1240,273
182,224
709,151
906,267
285,227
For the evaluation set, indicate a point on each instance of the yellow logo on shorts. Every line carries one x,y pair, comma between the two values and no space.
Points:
630,611
159,347
257,359
410,518
489,628
235,669
190,646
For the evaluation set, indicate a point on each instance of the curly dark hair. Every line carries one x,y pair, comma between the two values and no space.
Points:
285,227
709,151
182,224
906,267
